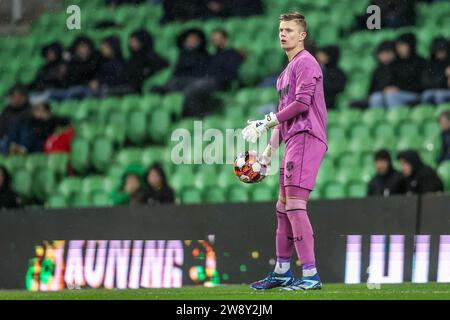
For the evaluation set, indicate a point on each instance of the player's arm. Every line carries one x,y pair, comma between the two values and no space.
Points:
306,80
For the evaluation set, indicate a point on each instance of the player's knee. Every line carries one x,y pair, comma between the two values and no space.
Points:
295,204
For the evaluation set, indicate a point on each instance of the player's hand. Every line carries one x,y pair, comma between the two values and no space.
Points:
255,129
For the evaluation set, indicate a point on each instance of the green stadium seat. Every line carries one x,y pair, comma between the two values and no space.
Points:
14,162
88,131
360,131
347,174
69,186
422,113
173,103
337,147
360,145
213,195
22,182
260,192
137,126
159,125
79,155
384,131
102,153
430,128
191,196
349,159
115,133
367,173
205,180
182,178
80,200
35,161
129,156
44,183
101,199
408,129
398,114
237,194
333,190
432,145
349,117
57,201
407,142
444,173
58,163
152,155
92,184
336,132
373,116
356,189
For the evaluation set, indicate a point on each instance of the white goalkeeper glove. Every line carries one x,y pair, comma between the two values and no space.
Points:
255,129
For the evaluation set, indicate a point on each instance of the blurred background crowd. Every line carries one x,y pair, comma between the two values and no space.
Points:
88,113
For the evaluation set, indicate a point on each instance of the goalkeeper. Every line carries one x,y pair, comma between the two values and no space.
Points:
301,123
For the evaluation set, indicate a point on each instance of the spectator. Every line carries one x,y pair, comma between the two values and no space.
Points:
223,69
144,61
109,77
406,73
382,77
334,78
387,181
84,63
436,74
13,114
8,198
419,178
53,73
131,189
37,126
192,62
444,122
157,190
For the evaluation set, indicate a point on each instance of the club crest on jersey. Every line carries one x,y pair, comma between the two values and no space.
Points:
289,165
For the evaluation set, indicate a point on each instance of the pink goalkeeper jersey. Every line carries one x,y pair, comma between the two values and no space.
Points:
302,80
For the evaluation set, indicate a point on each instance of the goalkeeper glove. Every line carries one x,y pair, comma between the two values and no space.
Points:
255,129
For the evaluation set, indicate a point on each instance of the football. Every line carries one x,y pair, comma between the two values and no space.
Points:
248,168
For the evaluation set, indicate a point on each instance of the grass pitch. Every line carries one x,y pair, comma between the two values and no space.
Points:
407,291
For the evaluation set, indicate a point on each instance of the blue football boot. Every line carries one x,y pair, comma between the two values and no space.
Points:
273,280
305,283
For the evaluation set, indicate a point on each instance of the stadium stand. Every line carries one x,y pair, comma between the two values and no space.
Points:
117,132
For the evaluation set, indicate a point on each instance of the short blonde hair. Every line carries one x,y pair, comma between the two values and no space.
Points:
297,17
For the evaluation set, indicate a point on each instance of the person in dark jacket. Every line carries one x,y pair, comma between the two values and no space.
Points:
407,70
387,181
444,122
84,63
13,114
382,77
193,59
419,178
37,126
157,190
405,86
222,70
111,69
334,78
8,198
144,61
53,74
436,74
